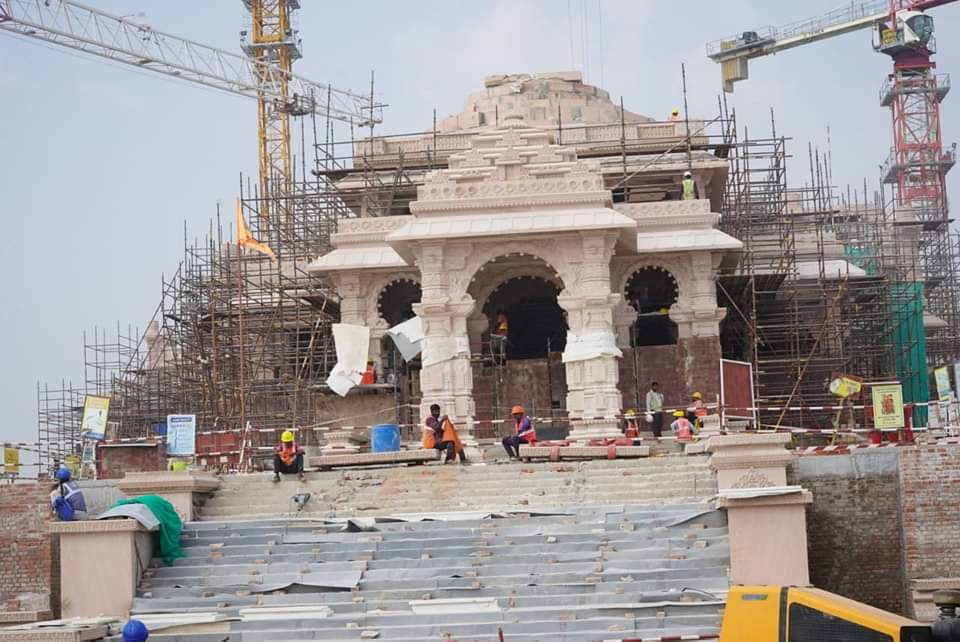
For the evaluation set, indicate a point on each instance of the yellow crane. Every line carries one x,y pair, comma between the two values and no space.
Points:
264,73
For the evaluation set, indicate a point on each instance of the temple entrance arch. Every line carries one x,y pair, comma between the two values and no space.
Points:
537,324
651,291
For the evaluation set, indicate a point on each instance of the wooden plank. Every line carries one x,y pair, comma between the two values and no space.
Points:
417,456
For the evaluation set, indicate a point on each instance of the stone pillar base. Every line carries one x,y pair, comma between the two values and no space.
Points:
177,487
586,430
100,563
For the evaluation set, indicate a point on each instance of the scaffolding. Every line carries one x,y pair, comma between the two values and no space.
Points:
243,341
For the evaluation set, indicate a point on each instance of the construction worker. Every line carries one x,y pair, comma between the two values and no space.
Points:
135,631
655,409
696,410
370,375
67,499
674,114
288,457
681,426
502,327
630,428
440,433
689,189
524,433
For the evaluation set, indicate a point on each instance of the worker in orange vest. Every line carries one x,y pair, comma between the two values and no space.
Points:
287,457
439,433
631,428
681,426
524,433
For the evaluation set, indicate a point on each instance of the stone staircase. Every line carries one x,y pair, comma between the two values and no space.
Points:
590,573
492,487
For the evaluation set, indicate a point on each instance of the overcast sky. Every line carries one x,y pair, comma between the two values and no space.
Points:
101,164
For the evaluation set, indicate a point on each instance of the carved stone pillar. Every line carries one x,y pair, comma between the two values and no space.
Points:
446,377
696,313
352,301
593,399
477,324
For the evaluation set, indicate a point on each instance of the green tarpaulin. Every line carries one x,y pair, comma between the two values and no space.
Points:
170,524
910,346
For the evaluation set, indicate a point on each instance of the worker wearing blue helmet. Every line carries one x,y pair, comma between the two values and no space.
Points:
135,631
67,499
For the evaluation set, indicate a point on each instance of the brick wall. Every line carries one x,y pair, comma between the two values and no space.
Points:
853,526
115,460
930,494
29,564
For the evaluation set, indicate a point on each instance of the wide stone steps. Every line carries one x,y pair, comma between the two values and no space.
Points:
438,488
589,572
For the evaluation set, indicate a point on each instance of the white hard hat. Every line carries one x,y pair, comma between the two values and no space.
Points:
687,174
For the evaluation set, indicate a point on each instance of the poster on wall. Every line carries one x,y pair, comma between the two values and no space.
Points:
93,425
11,461
887,406
845,385
181,435
942,378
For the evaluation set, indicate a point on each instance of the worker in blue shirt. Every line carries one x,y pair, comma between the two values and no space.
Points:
67,499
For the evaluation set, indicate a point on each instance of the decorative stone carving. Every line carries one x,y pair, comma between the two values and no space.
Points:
753,479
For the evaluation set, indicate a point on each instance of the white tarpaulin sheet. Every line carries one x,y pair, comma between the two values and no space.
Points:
445,348
353,345
590,345
408,337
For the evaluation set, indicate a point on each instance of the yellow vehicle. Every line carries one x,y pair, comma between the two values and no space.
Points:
793,614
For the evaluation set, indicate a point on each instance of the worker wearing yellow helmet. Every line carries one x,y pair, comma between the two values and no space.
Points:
674,115
288,457
696,410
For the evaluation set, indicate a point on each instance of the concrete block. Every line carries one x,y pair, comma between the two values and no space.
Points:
583,452
368,459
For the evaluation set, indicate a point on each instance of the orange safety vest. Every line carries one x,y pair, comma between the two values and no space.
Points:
287,455
531,435
503,327
449,434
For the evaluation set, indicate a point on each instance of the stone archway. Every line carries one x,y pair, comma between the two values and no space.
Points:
650,292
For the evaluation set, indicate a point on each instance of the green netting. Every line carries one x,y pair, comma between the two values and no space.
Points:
863,257
909,345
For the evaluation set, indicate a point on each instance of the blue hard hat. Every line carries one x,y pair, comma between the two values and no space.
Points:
62,474
135,631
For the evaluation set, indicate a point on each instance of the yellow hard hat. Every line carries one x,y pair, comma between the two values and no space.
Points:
678,413
286,437
676,110
697,395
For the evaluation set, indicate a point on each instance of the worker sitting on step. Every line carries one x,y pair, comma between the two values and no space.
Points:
67,499
523,433
288,457
440,433
681,426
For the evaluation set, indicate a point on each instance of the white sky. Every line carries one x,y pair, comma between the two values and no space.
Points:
101,164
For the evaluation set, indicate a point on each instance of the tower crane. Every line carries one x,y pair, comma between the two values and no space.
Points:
264,73
917,164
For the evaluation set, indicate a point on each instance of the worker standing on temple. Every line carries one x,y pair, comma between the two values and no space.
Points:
655,409
440,433
524,433
502,327
288,457
67,499
689,187
674,115
681,426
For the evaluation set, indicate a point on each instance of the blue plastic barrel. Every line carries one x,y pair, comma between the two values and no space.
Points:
385,438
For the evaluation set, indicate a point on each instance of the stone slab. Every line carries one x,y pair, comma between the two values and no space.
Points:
417,456
582,452
21,617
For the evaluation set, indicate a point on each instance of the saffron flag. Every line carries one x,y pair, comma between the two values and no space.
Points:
245,239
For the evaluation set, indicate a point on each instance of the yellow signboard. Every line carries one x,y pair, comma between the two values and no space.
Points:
887,405
942,377
11,461
94,422
843,385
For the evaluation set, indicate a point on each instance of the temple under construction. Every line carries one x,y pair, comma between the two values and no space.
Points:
814,281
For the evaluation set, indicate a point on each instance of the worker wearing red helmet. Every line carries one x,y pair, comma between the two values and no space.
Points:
523,433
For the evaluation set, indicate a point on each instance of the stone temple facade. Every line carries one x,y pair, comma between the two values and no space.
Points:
588,250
